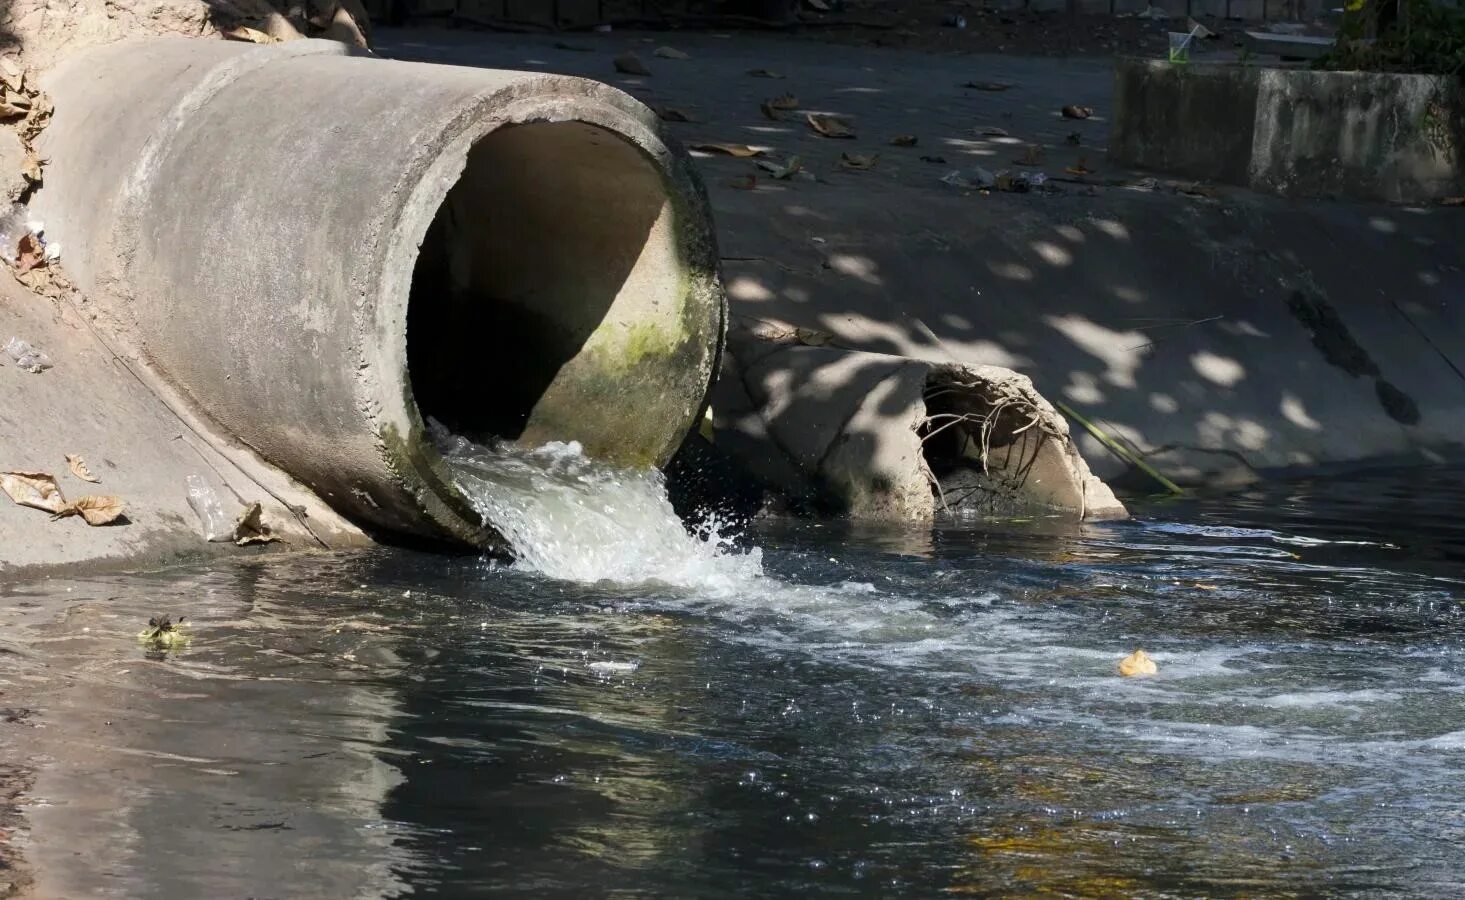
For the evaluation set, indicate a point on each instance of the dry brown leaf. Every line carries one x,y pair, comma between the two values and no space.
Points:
1080,168
12,74
38,490
904,140
742,151
858,161
1032,155
830,126
251,35
630,64
250,528
29,254
79,469
994,131
744,183
1137,663
988,85
1077,112
784,101
670,53
95,510
781,170
674,114
810,337
764,73
30,167
770,112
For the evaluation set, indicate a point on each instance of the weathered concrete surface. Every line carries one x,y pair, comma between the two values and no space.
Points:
1218,337
250,218
1293,132
93,404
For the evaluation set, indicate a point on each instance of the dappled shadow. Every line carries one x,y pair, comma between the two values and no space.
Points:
1167,322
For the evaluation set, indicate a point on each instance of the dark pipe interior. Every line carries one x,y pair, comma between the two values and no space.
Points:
522,263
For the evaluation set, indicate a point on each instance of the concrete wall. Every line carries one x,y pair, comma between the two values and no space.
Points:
1347,135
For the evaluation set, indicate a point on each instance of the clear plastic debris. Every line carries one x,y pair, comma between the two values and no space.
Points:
217,524
26,356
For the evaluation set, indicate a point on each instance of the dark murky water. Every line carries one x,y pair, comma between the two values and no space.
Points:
886,712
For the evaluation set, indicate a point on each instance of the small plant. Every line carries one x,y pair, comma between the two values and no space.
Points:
162,635
1411,36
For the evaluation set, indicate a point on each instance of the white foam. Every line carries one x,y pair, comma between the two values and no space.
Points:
568,517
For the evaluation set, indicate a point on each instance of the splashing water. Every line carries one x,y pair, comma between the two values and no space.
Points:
570,517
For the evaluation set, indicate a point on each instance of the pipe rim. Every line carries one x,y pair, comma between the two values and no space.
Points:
386,386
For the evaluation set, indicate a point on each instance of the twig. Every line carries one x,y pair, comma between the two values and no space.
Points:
1119,449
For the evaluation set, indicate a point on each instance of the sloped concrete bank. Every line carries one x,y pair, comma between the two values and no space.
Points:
316,269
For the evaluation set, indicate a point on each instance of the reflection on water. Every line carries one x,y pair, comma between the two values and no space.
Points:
887,711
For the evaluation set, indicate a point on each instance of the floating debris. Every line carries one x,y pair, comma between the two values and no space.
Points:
1137,663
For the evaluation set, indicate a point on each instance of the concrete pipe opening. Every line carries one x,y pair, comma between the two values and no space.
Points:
553,232
519,256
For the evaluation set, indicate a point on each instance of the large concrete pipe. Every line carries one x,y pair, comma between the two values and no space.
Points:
323,251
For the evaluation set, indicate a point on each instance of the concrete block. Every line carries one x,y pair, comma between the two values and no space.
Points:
1298,133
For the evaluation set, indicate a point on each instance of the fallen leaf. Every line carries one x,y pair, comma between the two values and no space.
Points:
674,114
30,167
29,253
784,101
742,151
669,53
903,140
744,182
1032,155
988,85
830,126
1137,663
630,64
1453,201
79,469
578,48
812,338
858,161
37,490
994,132
1196,189
938,160
1079,168
1077,112
781,170
764,73
9,110
770,112
250,35
95,510
249,528
12,74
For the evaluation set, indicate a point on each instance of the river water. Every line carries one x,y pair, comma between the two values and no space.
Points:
815,708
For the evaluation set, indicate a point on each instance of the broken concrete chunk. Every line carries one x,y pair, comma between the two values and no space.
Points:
886,437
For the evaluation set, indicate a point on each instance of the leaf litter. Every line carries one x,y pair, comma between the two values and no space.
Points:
38,490
741,151
830,126
79,468
630,64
